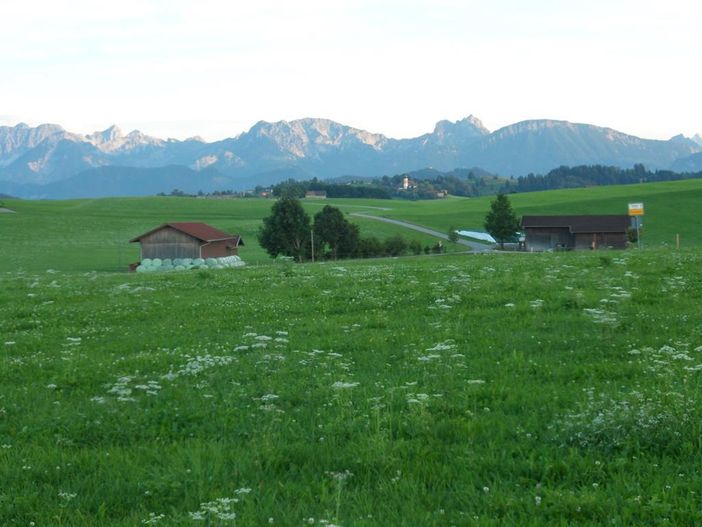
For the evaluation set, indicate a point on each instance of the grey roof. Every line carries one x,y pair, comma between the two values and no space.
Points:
580,224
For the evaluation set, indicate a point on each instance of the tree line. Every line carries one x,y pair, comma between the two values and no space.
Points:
465,182
590,176
298,189
289,231
455,183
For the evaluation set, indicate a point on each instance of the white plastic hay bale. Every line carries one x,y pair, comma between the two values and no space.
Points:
177,262
146,262
187,261
166,262
198,261
140,269
156,262
180,268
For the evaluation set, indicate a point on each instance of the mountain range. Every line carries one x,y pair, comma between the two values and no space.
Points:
49,162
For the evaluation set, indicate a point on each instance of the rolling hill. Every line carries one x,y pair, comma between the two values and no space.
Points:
92,234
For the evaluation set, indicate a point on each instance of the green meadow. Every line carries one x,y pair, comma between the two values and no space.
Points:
85,235
463,389
670,208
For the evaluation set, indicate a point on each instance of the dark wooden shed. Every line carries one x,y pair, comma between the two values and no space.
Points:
545,233
187,240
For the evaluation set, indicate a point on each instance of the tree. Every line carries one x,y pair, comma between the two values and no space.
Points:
287,230
331,228
501,222
370,247
453,235
395,245
348,246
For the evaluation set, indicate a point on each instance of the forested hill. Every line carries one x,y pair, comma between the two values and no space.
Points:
431,184
590,176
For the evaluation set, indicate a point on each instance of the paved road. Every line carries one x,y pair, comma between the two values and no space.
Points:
475,246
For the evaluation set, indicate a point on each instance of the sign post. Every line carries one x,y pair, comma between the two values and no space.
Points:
636,210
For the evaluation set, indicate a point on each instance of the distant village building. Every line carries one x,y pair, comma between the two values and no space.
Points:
187,240
545,233
316,194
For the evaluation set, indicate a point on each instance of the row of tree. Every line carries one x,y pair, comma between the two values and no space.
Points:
457,183
591,176
298,189
426,184
289,231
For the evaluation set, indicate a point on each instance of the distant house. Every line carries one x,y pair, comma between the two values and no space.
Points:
545,233
407,184
187,240
316,194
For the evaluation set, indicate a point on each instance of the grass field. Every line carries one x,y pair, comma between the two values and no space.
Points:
84,235
492,389
89,235
555,389
670,208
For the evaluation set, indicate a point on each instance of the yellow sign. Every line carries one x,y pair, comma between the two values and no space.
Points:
636,209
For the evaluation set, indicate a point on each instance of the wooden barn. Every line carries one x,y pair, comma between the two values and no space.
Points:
544,233
187,240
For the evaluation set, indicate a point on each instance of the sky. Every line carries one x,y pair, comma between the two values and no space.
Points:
213,68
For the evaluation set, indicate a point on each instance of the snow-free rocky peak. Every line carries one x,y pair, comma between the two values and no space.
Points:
112,139
468,127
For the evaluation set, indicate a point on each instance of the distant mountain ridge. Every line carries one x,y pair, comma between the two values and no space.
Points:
47,159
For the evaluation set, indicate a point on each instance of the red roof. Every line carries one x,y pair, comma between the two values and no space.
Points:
200,231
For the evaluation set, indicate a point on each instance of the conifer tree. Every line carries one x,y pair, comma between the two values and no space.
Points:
501,222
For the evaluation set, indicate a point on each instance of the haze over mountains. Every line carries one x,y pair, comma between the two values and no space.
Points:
48,161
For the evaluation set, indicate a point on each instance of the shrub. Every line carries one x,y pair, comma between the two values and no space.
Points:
395,245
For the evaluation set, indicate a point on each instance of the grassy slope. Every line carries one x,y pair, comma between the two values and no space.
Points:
671,208
457,390
92,234
88,235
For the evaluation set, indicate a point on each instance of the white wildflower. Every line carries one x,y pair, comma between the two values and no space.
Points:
341,385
